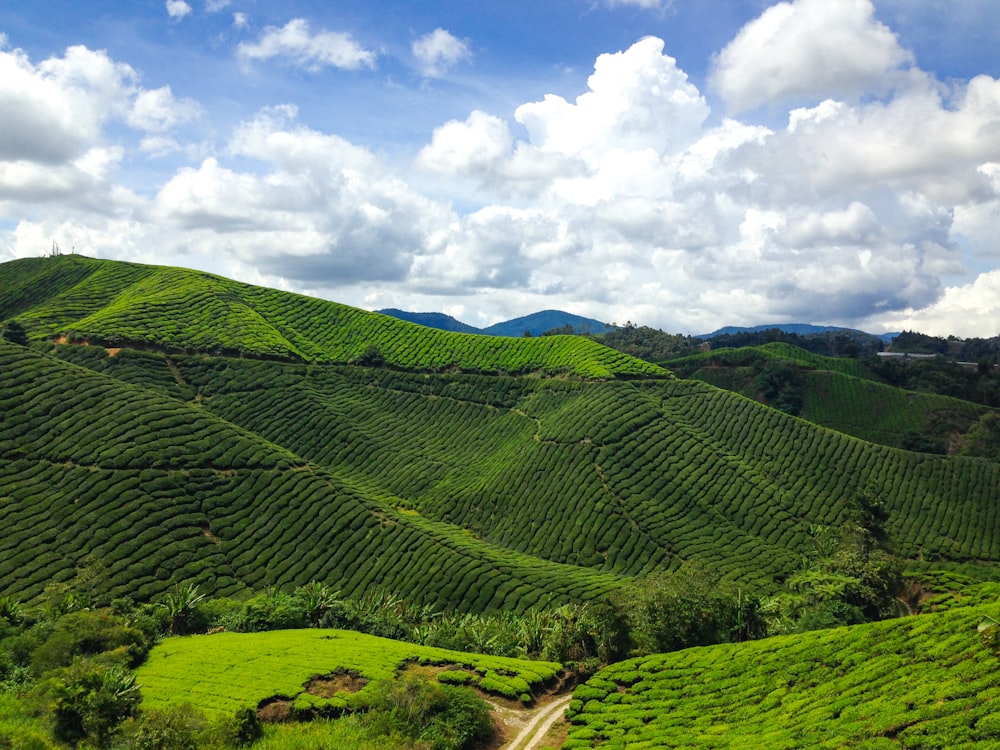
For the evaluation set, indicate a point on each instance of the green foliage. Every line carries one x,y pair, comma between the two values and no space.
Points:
920,681
181,605
648,343
224,672
89,699
983,438
446,717
14,332
89,633
671,611
831,392
175,310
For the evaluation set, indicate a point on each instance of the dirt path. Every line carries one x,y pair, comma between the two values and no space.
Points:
535,730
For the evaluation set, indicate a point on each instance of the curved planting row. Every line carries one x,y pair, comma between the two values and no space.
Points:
917,682
776,351
158,492
938,506
881,413
180,310
624,477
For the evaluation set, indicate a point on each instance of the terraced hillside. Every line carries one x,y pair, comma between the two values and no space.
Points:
917,682
465,491
831,392
161,491
126,304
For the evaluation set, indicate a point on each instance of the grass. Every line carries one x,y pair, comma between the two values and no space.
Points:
224,672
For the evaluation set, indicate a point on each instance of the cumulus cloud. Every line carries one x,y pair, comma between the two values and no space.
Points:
807,49
54,151
214,6
157,110
52,111
177,9
629,201
313,52
439,51
241,20
972,309
324,211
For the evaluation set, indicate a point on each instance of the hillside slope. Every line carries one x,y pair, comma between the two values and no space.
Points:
830,391
174,309
461,490
916,682
160,491
625,477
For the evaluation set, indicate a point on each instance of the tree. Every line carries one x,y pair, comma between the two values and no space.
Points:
181,604
14,333
671,611
89,700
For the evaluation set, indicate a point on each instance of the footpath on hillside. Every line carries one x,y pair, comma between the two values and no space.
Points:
539,722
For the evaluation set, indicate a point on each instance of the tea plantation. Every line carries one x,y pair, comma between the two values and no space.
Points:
465,490
832,392
225,672
167,431
916,682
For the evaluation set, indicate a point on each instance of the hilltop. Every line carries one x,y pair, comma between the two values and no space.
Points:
117,304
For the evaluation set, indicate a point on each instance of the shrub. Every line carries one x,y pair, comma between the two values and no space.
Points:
88,700
446,717
173,729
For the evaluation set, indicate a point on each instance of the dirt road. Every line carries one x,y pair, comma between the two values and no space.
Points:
530,737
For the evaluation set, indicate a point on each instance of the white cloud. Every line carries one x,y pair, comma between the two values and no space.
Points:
214,6
177,9
241,20
807,49
310,51
157,110
628,201
970,310
638,99
52,111
439,51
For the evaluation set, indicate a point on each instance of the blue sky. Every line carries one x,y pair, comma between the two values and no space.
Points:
681,164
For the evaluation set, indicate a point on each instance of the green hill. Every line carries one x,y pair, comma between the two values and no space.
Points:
464,490
161,491
177,310
916,682
832,392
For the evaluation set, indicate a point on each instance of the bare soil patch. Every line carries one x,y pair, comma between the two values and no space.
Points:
327,686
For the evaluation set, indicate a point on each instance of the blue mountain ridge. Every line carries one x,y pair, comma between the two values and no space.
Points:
535,324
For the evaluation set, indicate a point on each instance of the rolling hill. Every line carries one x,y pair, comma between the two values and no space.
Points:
239,437
833,392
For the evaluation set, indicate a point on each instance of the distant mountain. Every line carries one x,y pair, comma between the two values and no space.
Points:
536,324
800,329
432,320
547,320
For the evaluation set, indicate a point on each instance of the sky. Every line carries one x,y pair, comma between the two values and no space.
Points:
683,164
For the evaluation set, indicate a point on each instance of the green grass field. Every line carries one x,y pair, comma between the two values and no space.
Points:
222,673
919,682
